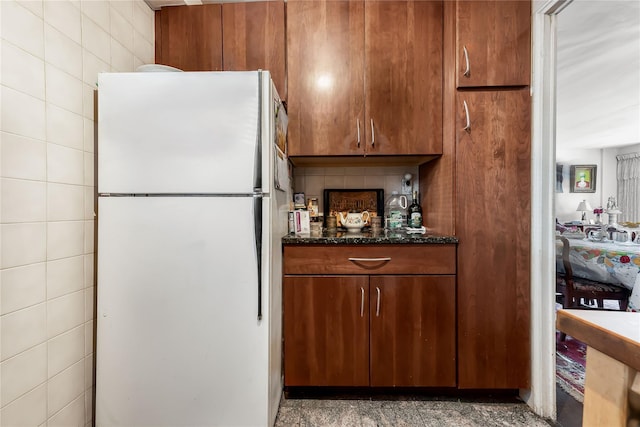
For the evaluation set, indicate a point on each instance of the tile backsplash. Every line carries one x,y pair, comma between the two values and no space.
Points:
313,180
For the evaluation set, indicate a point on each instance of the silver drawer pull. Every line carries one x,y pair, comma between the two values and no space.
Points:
370,259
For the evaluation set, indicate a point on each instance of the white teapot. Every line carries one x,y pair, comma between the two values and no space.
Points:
354,221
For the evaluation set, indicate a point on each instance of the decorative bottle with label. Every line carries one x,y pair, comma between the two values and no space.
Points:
415,212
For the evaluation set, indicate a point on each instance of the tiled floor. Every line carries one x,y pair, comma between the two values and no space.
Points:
397,413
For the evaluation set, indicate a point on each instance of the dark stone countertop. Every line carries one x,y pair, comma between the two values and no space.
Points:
367,238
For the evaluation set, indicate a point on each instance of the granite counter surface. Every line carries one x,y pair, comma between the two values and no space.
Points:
367,238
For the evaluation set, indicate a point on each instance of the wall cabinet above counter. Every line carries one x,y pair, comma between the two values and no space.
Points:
229,36
364,78
493,43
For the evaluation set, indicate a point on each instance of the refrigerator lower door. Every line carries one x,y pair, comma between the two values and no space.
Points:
178,340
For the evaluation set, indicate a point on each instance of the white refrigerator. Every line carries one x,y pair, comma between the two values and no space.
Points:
193,195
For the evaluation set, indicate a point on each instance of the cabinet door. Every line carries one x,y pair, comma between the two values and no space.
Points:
325,71
190,37
413,331
403,83
496,36
493,210
253,38
326,330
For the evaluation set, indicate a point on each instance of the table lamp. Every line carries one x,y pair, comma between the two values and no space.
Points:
584,206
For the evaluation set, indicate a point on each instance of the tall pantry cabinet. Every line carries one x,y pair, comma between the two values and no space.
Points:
492,192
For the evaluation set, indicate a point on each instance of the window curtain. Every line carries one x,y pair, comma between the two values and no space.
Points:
628,174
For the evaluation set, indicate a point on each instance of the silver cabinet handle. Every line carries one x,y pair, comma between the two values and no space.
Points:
358,123
370,259
378,302
373,134
467,69
466,113
362,302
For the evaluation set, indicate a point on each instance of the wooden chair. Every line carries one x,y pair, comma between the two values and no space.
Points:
574,289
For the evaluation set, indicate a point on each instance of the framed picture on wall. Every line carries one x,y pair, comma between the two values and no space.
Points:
583,178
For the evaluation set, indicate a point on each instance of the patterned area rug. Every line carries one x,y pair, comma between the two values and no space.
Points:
571,356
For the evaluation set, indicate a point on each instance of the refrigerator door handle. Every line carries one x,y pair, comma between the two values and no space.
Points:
257,223
257,170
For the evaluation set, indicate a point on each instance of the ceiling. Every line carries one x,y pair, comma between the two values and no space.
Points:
598,72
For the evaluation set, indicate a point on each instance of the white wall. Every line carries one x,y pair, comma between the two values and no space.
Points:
606,184
567,202
51,53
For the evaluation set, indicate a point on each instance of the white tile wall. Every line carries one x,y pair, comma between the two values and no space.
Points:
64,313
23,157
23,28
98,12
23,115
65,276
65,17
64,127
71,415
65,387
35,6
23,372
65,239
121,27
22,287
52,52
22,70
22,330
62,89
65,350
29,409
65,202
22,244
23,201
64,165
313,180
61,51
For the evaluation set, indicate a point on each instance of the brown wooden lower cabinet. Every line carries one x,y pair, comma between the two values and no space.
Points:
384,331
326,329
412,331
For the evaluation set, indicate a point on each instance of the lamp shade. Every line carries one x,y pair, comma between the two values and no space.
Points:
584,206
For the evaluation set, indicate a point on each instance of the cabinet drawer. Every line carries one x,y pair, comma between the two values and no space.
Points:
370,259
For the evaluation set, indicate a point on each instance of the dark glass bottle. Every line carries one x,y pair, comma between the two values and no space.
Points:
414,217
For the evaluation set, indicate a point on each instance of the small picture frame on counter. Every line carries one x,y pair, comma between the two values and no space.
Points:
299,201
301,222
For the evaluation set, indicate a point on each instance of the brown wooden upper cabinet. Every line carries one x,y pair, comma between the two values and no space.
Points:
493,43
230,36
190,37
364,78
253,38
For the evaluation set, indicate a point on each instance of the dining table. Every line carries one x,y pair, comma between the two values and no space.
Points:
612,378
609,262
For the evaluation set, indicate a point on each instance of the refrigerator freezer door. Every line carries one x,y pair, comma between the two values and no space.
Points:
178,340
178,132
